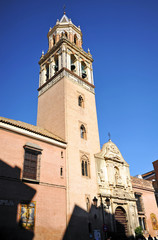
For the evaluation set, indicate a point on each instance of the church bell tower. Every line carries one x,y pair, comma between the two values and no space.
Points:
66,107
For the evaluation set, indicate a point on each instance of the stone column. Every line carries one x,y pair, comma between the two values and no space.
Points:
71,37
50,42
42,76
64,64
59,61
89,75
68,61
77,42
92,79
79,68
57,38
51,68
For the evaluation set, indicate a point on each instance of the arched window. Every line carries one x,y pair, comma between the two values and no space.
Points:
53,39
83,68
80,101
66,34
83,132
75,38
73,62
56,63
85,166
47,72
83,172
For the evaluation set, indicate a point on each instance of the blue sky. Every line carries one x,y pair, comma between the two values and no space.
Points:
122,36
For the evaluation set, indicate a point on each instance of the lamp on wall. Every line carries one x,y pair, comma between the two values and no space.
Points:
102,206
107,201
95,201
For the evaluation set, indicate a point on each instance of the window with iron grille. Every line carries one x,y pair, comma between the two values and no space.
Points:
31,168
139,202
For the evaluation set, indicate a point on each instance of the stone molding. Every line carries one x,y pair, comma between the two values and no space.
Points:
64,72
54,49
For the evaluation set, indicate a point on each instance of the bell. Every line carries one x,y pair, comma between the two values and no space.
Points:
73,67
47,76
56,68
84,75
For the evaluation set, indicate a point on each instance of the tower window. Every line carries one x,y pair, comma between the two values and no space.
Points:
80,101
62,154
47,72
61,171
83,132
75,39
66,34
53,39
73,62
83,68
85,166
56,63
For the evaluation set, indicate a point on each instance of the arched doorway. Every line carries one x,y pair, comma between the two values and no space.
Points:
121,222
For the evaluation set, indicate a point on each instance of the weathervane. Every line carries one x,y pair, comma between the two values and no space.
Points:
64,9
109,136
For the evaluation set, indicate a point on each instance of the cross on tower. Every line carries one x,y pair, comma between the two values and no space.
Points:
109,135
64,9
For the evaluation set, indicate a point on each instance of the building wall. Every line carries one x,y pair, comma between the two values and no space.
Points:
51,109
149,203
49,194
79,185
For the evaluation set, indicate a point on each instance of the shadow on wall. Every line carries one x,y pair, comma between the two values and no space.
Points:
85,225
12,193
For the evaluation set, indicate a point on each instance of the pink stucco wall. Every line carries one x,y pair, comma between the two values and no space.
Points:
49,194
148,200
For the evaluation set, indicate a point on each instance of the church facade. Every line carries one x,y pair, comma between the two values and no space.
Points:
56,182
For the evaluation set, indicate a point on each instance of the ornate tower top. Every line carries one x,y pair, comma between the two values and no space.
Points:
65,57
65,28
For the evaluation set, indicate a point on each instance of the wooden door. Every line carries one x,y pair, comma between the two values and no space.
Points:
121,222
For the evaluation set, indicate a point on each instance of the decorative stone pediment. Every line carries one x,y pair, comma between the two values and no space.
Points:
110,151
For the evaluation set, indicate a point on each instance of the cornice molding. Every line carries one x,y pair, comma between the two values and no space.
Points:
67,73
58,44
60,25
32,135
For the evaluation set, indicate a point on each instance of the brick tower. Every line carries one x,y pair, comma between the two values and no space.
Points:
66,107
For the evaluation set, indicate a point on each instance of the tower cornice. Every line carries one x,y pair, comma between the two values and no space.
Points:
72,45
68,25
64,72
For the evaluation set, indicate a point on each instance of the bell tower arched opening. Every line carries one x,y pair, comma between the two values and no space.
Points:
73,62
83,69
56,67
